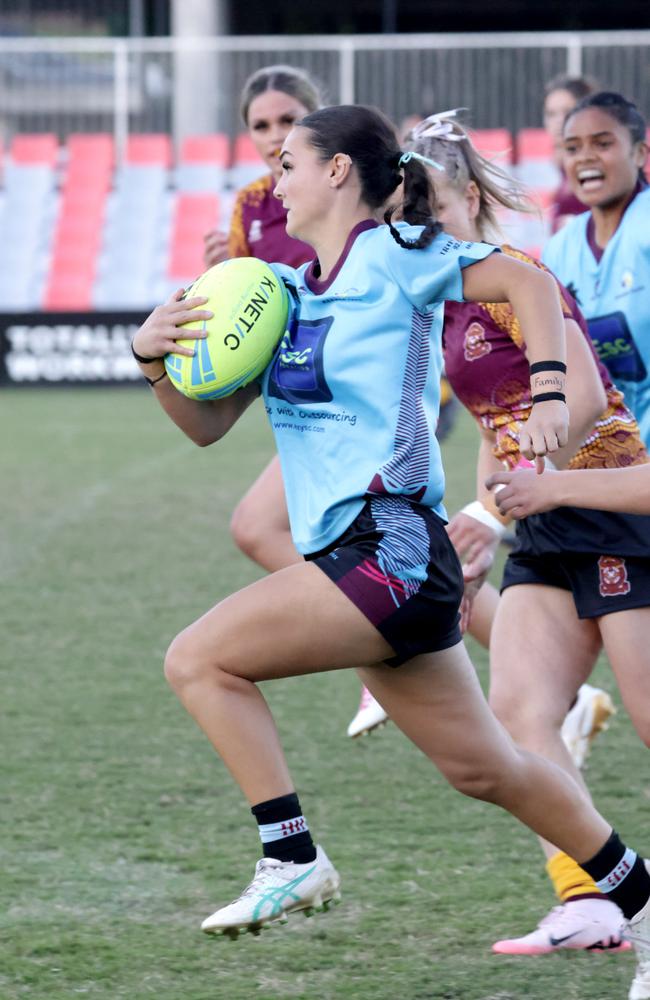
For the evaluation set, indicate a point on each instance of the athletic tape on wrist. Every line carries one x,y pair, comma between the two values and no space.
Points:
476,510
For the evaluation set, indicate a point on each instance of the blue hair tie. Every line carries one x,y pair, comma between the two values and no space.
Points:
407,157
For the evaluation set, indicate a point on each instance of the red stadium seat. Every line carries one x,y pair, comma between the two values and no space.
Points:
90,149
69,288
245,151
211,149
40,148
194,215
494,144
534,144
149,149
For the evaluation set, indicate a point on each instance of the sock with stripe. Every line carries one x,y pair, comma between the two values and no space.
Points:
283,830
621,875
570,881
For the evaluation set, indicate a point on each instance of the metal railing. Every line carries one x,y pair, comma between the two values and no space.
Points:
182,85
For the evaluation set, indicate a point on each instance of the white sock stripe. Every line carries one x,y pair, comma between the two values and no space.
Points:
622,870
286,828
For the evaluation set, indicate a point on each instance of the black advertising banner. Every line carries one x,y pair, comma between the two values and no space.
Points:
68,349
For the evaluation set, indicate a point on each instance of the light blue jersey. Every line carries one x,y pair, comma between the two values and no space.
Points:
614,296
352,393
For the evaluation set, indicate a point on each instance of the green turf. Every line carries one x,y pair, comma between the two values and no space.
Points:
120,830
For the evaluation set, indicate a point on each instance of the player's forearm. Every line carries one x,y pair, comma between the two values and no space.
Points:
532,295
207,421
625,490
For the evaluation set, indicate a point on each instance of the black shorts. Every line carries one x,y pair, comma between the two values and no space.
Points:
396,564
600,584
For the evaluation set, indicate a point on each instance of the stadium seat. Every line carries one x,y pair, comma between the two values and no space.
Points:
29,207
247,165
37,148
535,165
494,144
203,163
193,215
147,149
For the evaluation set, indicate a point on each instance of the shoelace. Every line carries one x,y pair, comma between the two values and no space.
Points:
263,873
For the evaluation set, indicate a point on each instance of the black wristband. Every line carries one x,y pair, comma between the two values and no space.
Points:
543,397
548,366
152,381
140,359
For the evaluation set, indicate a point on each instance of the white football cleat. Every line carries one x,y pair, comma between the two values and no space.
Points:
639,934
369,715
588,923
588,717
278,888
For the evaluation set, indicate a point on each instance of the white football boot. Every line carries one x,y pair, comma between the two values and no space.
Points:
369,715
588,717
594,924
278,888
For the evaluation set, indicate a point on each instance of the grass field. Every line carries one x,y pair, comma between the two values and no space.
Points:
120,828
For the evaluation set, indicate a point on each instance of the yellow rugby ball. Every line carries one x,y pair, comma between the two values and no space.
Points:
250,306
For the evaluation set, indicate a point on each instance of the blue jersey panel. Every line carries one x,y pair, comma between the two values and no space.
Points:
352,393
614,295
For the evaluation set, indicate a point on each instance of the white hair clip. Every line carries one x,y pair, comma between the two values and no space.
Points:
435,127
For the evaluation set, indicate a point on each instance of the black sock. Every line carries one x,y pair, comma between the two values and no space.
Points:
621,875
283,830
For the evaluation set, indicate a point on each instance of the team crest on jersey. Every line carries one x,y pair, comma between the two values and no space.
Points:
297,374
255,231
612,577
476,346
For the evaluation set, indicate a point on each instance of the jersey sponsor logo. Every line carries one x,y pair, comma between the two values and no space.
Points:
255,231
476,346
612,577
616,347
297,374
628,284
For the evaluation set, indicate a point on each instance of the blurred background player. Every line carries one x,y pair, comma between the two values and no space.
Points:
272,99
603,256
561,94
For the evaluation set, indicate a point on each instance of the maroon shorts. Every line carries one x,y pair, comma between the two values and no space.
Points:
396,564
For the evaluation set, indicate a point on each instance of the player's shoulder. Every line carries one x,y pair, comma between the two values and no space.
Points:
568,241
255,191
524,257
637,215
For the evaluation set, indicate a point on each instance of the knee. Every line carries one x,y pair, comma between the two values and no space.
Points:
528,724
245,529
186,665
480,780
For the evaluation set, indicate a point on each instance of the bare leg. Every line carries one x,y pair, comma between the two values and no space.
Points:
625,636
540,654
260,522
296,622
483,611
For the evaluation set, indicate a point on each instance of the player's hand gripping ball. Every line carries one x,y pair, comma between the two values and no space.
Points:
250,306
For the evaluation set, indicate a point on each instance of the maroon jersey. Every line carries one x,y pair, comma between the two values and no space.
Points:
487,368
257,228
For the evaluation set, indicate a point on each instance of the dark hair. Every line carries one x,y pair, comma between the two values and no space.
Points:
287,79
621,110
370,140
578,86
